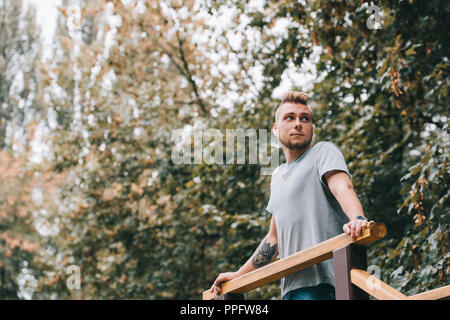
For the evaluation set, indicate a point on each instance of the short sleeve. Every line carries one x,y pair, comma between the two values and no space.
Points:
330,158
270,206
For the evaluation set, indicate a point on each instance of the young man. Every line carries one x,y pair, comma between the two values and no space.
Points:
311,200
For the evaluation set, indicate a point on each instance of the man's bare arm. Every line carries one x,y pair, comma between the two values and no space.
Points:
342,188
266,252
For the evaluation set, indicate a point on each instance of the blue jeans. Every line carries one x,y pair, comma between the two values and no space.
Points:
323,291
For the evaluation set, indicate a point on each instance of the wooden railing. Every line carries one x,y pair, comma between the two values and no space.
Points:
382,291
351,281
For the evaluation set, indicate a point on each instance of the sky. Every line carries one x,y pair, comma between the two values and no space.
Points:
46,15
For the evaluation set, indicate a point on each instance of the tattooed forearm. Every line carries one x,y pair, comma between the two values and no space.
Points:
264,254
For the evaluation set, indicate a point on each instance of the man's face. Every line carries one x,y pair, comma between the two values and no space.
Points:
294,126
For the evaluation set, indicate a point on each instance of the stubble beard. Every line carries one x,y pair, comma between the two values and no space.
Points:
296,145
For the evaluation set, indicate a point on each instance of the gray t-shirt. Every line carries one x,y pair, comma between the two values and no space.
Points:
306,212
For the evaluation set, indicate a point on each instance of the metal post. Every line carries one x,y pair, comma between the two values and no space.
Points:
345,259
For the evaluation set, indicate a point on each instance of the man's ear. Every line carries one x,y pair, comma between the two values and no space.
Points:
275,130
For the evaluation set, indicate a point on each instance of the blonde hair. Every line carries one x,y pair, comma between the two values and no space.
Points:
292,97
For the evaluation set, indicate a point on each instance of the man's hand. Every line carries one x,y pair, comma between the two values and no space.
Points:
354,227
223,277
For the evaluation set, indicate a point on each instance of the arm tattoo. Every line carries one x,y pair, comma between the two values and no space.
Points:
264,254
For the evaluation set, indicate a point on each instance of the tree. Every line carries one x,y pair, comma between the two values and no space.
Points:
19,69
20,112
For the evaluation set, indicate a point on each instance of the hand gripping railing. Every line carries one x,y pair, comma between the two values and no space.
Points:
351,281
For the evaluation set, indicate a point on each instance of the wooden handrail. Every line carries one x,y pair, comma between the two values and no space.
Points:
435,294
382,291
378,289
297,262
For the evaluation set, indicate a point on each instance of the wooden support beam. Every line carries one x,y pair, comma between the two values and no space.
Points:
375,287
297,262
345,259
435,294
